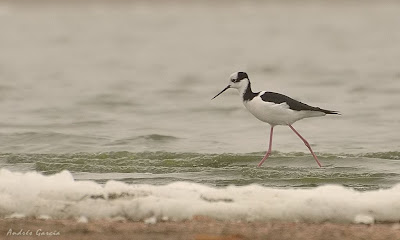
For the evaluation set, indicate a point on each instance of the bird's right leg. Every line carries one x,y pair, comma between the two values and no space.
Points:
269,148
307,145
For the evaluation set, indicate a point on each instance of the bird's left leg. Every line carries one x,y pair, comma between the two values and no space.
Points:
307,144
269,148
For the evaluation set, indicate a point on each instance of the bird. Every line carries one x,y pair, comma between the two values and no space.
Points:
274,109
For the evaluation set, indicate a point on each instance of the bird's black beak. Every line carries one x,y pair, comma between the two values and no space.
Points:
221,92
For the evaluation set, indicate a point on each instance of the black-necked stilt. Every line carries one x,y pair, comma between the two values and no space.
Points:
273,108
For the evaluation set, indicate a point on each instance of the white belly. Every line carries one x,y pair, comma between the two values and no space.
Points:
277,114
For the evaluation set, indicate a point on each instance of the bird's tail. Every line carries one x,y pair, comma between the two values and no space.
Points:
328,111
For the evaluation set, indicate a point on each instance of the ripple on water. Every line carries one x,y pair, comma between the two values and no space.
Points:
283,170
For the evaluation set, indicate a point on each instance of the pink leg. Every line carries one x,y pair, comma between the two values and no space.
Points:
269,148
307,144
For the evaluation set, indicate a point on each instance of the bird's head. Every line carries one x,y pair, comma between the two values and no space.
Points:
238,80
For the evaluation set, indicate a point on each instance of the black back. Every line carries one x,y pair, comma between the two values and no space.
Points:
293,104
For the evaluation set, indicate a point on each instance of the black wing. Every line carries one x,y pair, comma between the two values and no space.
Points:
293,104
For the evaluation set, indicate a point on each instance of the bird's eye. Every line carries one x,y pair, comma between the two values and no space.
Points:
233,80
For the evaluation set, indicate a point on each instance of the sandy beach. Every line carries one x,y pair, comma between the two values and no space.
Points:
199,228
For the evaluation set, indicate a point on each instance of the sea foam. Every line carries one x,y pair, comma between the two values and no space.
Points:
58,196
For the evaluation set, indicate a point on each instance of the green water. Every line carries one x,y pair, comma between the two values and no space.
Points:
288,170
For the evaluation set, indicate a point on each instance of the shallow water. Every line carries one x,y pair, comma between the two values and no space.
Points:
122,91
283,170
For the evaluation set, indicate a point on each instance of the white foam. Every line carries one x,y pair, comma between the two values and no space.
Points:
60,196
364,219
82,219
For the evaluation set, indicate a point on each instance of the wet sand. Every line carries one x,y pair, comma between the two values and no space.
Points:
199,228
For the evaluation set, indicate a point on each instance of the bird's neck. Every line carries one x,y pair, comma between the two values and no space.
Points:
246,92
